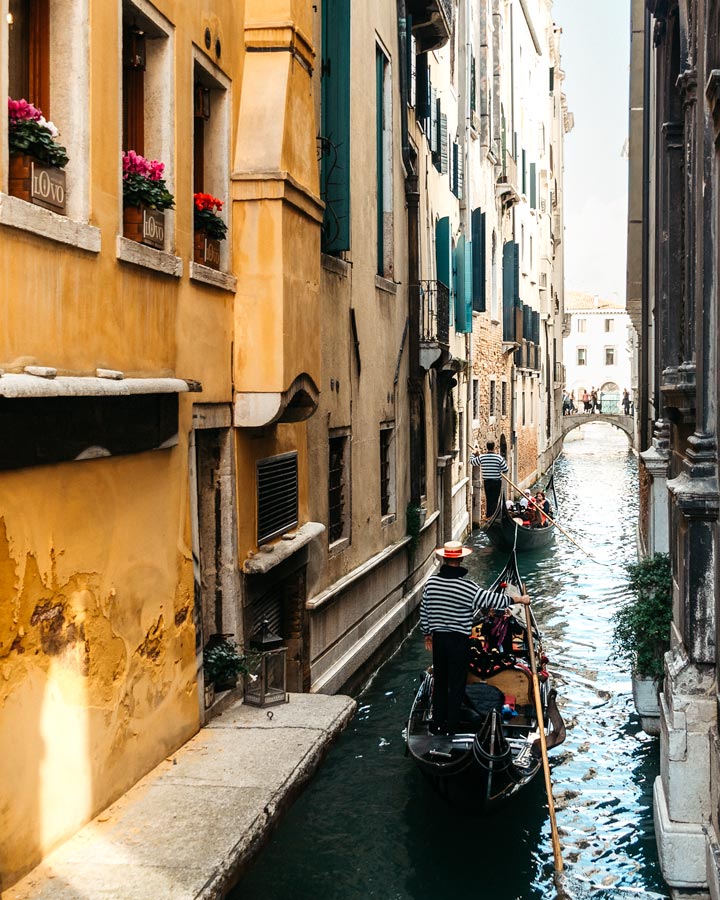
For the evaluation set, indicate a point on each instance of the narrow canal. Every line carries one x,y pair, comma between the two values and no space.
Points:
370,826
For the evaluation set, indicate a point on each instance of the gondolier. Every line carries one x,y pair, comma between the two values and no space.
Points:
448,604
492,465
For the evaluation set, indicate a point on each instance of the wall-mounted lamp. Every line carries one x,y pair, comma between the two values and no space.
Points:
202,102
134,48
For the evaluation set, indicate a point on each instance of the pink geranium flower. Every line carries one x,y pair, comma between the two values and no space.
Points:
22,111
134,164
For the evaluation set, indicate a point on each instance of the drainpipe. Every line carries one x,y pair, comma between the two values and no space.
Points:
416,381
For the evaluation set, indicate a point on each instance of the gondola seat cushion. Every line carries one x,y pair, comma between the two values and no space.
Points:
483,698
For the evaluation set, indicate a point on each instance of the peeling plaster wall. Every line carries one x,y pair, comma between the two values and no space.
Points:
97,644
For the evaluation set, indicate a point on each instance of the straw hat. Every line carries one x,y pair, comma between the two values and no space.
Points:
453,550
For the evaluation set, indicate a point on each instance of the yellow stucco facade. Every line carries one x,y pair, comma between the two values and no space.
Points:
100,648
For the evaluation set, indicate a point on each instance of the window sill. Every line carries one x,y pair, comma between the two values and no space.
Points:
140,255
17,213
213,277
388,520
337,266
338,546
385,284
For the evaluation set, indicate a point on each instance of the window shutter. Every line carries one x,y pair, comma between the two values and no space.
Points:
422,89
443,252
443,145
412,76
524,176
478,260
335,123
434,115
536,328
552,79
461,325
457,173
473,89
277,496
533,187
527,323
508,292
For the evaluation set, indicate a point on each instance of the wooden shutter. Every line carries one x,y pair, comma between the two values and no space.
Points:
443,138
458,170
478,260
277,496
524,176
435,108
511,291
443,252
533,187
335,125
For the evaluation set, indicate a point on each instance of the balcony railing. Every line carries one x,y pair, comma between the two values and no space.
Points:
507,183
434,312
432,22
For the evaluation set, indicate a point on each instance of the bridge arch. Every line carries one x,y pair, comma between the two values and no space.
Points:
626,424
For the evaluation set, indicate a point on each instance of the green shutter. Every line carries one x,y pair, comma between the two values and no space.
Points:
478,260
508,293
434,117
422,87
380,157
335,125
524,178
533,187
443,264
473,90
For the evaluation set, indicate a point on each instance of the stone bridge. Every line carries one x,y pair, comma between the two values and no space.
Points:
624,423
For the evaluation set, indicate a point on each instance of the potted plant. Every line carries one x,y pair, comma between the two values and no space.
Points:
36,158
642,633
145,198
210,229
222,663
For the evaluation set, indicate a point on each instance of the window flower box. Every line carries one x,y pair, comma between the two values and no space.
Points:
36,159
145,197
210,229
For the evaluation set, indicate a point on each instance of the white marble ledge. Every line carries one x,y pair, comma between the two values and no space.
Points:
141,255
207,275
17,213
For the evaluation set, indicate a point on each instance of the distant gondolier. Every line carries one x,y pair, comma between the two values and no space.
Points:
492,466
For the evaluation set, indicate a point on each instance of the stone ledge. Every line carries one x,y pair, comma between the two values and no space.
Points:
140,255
206,275
17,213
385,284
681,846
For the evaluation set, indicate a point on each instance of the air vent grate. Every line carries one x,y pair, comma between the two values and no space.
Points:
277,495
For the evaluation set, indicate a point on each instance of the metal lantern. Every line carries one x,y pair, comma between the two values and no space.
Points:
134,48
202,102
265,683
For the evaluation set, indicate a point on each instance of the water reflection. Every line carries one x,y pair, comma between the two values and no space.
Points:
370,826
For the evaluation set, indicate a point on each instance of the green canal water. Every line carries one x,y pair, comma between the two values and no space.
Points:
370,826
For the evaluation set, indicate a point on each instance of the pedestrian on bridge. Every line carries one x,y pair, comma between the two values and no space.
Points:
626,402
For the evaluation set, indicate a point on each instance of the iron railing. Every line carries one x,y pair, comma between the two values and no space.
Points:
434,312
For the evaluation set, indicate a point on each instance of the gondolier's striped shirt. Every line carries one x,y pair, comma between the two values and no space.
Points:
492,464
449,601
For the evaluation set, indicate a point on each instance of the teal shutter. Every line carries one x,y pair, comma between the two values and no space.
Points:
335,125
443,252
422,87
552,79
511,287
533,187
478,260
524,178
463,281
379,155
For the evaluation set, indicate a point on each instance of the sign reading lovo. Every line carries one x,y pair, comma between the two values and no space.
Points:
47,187
154,228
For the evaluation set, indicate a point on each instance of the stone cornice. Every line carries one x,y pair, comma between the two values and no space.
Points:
273,37
247,186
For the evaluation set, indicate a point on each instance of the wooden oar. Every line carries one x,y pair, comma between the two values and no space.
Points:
559,527
557,853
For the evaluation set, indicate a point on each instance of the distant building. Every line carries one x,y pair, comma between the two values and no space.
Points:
597,349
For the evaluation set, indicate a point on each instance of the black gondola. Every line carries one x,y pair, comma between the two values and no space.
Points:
505,534
497,751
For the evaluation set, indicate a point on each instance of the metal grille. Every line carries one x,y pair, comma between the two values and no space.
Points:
435,312
277,495
385,436
336,488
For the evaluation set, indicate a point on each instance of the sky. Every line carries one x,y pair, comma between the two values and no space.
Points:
595,49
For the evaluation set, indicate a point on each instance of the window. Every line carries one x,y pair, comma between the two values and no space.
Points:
476,399
609,324
582,356
211,134
387,470
609,356
148,124
384,157
277,496
582,326
494,281
492,398
338,487
29,52
503,398
47,64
